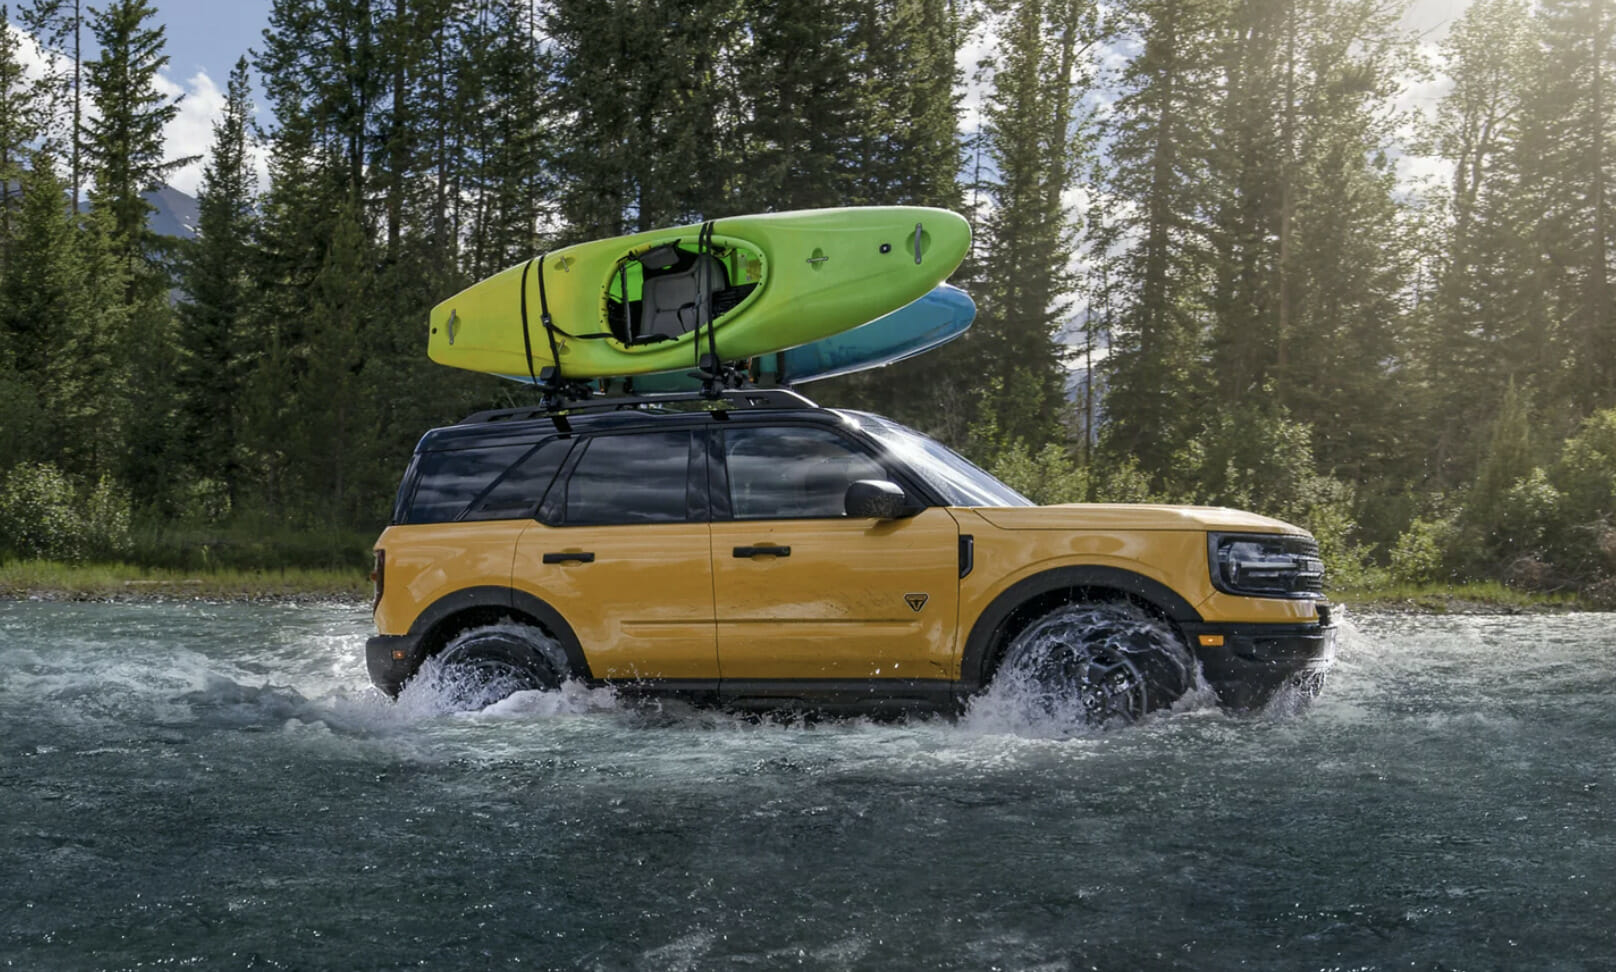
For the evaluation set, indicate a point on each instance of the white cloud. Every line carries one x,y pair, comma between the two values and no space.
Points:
190,132
977,46
29,53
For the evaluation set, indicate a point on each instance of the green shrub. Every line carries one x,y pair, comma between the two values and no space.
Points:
1252,457
1050,476
203,500
1586,472
106,520
1325,510
1528,513
39,515
43,514
1419,555
1122,482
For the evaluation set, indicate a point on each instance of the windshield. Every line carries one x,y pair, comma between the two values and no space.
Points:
956,479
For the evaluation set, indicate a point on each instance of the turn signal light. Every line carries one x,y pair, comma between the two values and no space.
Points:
1211,641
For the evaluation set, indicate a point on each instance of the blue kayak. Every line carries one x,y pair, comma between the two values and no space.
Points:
927,323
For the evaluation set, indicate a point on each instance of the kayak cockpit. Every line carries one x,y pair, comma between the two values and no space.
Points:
671,289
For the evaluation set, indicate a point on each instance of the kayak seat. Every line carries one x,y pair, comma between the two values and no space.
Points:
671,283
669,305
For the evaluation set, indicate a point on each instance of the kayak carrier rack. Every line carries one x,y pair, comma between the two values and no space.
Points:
736,399
724,386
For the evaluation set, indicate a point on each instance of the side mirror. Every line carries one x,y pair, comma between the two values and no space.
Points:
877,499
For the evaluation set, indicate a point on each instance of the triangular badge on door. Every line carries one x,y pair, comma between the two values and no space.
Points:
916,601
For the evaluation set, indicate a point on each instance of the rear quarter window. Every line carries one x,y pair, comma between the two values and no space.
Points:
447,482
517,494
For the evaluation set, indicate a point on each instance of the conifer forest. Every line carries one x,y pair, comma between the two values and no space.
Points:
1201,274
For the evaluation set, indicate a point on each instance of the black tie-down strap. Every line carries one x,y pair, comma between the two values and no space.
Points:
704,308
556,389
550,328
527,336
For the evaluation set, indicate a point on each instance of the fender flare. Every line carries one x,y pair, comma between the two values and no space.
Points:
978,658
509,600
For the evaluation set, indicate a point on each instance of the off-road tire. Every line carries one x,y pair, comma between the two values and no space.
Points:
1113,659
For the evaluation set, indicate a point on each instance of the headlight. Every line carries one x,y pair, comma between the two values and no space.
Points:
1266,564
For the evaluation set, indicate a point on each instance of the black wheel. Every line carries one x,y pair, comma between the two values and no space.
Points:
1098,664
480,666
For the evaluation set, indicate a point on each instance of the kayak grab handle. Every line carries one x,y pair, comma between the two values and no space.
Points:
918,228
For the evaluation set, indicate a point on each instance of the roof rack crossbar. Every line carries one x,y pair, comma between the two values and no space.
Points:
742,398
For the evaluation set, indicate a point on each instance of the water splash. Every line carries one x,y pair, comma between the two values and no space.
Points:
1085,668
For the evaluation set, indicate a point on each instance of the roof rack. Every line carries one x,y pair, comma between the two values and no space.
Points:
736,398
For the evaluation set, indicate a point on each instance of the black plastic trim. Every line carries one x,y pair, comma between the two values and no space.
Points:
850,695
1257,660
424,633
718,502
386,672
967,555
981,646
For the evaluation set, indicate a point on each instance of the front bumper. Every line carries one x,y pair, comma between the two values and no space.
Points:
392,659
1247,664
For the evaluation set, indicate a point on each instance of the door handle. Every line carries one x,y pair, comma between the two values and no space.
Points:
764,551
569,557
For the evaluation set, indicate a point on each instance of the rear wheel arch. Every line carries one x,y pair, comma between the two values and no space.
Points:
475,607
1027,599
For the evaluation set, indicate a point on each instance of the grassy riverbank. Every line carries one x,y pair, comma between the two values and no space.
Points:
94,582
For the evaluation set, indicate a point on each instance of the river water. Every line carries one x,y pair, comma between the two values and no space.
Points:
217,786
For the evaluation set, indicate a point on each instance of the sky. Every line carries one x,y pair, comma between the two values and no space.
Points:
205,37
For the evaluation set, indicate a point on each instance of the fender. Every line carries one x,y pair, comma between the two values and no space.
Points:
977,659
508,600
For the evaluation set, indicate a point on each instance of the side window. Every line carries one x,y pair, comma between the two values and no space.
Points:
793,472
640,478
448,481
517,493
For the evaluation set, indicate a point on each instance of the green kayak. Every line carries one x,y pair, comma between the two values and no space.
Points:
657,301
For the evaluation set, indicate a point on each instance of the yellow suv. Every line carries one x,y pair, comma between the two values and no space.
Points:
757,551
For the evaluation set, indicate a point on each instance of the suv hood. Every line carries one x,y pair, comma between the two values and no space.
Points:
1131,516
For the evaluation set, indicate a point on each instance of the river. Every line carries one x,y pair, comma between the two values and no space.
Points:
217,786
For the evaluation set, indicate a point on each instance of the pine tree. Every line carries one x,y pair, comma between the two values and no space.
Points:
1160,140
21,123
58,26
806,96
1473,339
1340,337
512,177
649,105
61,321
1569,163
1032,133
214,275
123,142
912,144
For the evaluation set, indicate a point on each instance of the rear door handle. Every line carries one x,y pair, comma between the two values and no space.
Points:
569,556
763,551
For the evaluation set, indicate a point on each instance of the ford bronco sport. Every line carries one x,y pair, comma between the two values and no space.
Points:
759,551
